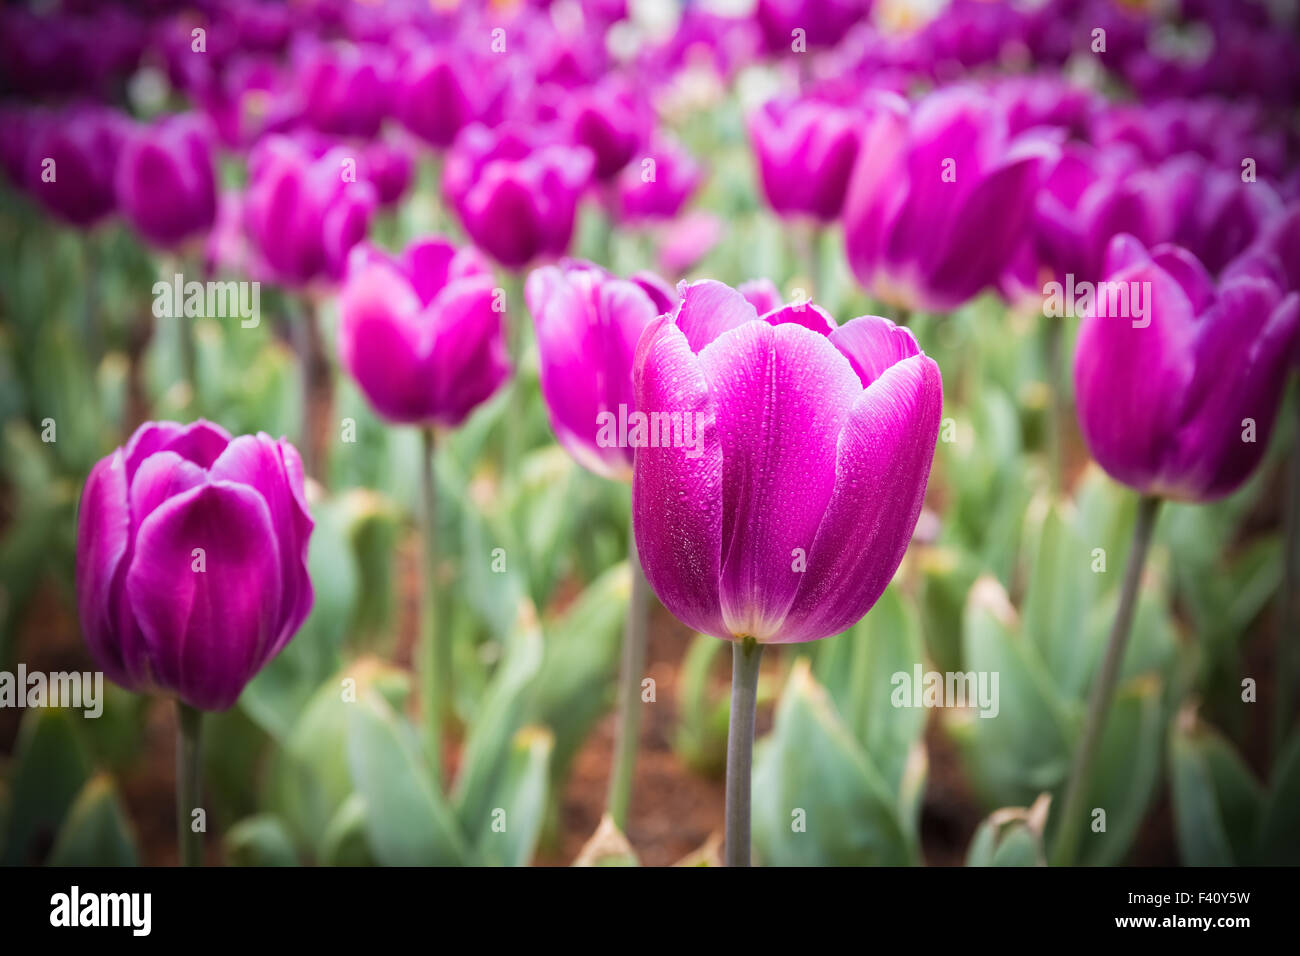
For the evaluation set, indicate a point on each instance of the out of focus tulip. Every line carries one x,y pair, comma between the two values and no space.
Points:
609,119
588,323
805,151
389,168
167,181
939,199
516,193
302,215
71,160
819,23
1178,398
346,89
420,334
433,96
657,185
781,506
192,560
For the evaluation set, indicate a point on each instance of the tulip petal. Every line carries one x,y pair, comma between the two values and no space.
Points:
207,632
882,466
812,317
103,533
707,309
677,492
465,354
872,344
781,395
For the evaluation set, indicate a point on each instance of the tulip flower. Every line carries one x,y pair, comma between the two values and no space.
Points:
779,481
610,120
817,23
588,323
516,194
1163,400
805,150
70,162
437,93
345,89
419,333
192,570
422,337
167,181
658,185
302,215
939,198
1176,400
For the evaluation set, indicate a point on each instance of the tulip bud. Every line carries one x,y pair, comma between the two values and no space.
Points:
805,151
420,333
786,513
192,560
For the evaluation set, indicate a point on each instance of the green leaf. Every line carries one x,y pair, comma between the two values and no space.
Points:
96,831
508,830
1217,800
507,701
1279,832
408,823
701,737
50,768
344,842
811,773
1023,750
261,840
1012,836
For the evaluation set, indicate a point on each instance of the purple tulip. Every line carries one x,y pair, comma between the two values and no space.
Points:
1216,215
588,323
1181,402
389,168
940,199
762,294
823,22
301,215
805,151
610,120
345,89
192,560
420,333
434,96
71,160
515,192
782,506
166,180
657,186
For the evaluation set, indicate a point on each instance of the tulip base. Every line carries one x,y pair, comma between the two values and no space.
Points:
1103,688
746,653
189,843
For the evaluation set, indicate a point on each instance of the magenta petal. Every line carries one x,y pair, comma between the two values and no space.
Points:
201,442
882,466
103,529
257,461
207,632
677,492
812,317
872,344
465,354
707,309
781,395
159,477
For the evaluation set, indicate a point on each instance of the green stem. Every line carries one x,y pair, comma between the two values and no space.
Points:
516,339
435,651
189,844
629,683
1052,344
1069,826
745,656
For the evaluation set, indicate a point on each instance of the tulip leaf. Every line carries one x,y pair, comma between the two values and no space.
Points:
818,799
344,841
260,840
50,767
1061,588
1023,750
508,700
1279,832
510,823
408,822
703,710
1010,837
96,831
1217,800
